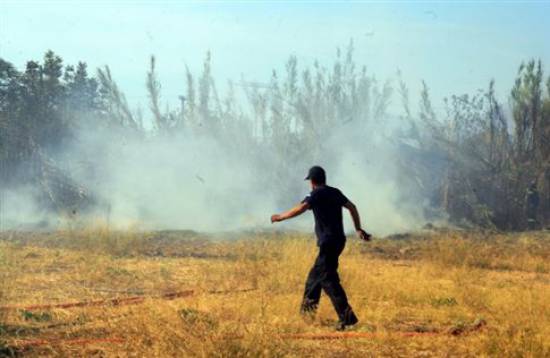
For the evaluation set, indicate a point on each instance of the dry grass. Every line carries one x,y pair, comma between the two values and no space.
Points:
439,282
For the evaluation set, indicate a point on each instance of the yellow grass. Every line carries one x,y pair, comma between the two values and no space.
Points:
438,282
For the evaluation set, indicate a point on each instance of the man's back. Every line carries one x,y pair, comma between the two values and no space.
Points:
326,203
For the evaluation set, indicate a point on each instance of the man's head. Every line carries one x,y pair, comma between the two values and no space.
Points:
317,176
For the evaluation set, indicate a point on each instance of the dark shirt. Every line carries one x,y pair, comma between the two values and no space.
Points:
326,203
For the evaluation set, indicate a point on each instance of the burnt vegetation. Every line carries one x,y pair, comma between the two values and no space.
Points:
473,162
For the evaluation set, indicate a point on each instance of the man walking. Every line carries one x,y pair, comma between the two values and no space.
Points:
326,203
532,201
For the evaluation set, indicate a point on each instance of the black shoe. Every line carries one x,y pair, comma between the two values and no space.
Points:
350,320
309,307
308,312
341,326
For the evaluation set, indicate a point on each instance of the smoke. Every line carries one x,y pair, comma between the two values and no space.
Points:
366,167
215,182
179,181
19,209
185,181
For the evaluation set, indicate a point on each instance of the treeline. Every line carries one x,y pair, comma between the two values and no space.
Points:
499,155
475,162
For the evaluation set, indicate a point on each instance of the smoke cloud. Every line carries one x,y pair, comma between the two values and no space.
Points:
184,181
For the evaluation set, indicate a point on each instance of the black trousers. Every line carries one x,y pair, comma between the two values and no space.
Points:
324,276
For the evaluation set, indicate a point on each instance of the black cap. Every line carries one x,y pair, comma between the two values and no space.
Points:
317,174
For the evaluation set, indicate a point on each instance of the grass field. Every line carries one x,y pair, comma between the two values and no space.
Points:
426,294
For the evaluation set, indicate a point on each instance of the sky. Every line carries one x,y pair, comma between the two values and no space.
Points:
456,47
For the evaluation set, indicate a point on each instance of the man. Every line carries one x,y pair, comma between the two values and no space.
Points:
531,205
326,203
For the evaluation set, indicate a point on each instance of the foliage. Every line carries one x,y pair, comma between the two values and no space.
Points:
474,162
491,159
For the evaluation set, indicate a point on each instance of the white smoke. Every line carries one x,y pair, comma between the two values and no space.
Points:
184,181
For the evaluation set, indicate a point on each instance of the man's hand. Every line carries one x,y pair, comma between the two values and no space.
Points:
276,218
363,235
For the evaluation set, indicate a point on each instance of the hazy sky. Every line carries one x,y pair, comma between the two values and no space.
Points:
455,46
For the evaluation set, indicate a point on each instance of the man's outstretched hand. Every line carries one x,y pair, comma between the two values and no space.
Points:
295,211
363,235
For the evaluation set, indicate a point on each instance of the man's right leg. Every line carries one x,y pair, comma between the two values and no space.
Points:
312,291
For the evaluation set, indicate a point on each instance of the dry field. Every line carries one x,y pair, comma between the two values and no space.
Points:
177,294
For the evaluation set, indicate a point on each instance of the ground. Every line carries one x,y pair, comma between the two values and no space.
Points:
176,293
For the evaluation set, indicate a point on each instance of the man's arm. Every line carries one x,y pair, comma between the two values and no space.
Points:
357,221
295,211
